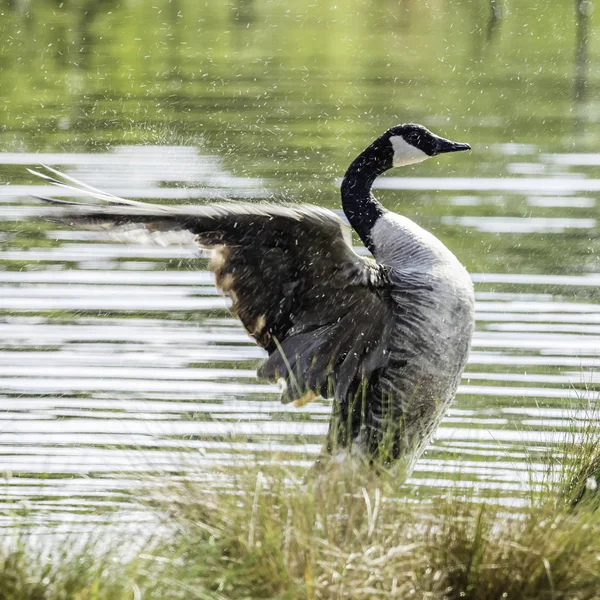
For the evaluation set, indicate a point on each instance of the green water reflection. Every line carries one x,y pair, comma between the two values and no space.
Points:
289,92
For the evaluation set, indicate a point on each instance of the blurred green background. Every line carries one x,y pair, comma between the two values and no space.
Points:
291,91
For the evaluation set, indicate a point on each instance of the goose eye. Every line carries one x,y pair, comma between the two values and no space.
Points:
413,137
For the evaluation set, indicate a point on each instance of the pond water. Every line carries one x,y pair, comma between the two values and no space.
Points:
121,361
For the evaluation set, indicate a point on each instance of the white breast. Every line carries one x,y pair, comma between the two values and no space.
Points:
400,242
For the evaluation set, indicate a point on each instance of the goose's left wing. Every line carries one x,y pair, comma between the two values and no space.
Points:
318,308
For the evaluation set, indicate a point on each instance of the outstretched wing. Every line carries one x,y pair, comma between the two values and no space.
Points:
299,289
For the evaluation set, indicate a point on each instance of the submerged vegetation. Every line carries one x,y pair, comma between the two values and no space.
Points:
343,532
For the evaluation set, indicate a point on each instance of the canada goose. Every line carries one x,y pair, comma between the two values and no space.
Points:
386,338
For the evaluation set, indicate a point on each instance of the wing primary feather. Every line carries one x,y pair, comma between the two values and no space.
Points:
55,201
79,190
81,184
83,188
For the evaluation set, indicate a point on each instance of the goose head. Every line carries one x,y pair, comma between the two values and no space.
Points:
401,145
410,143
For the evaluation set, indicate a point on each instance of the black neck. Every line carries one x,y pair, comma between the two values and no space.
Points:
359,204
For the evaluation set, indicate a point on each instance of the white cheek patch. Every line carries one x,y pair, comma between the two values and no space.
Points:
405,153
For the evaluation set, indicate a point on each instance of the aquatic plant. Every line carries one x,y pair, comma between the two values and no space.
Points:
344,532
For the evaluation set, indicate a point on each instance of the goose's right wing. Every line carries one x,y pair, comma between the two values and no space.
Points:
295,283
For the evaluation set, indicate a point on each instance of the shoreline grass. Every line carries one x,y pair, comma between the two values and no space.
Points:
342,533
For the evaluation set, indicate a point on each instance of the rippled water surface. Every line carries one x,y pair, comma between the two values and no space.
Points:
119,361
